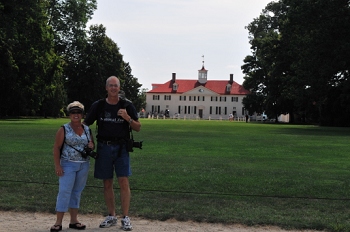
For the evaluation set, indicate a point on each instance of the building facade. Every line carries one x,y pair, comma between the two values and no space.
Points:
201,98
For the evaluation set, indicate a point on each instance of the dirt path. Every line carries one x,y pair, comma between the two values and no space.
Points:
38,222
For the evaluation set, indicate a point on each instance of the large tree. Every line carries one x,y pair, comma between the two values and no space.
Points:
99,60
28,61
48,57
319,38
301,59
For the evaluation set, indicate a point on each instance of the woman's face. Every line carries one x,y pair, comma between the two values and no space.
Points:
76,115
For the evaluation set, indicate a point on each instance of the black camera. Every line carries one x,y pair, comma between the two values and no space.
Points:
88,152
131,143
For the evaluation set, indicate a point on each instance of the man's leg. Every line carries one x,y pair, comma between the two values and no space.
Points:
125,194
109,196
108,191
125,197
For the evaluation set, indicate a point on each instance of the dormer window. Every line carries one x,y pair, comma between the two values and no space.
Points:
175,86
228,88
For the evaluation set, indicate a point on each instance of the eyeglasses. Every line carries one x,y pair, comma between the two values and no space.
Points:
75,112
110,85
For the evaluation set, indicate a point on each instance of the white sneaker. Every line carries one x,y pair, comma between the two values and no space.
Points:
109,221
126,224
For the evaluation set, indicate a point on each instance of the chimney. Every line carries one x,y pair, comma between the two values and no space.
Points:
231,79
173,77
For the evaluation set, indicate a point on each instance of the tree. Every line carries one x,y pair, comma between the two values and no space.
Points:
68,19
263,69
131,87
300,61
48,57
319,35
100,59
29,59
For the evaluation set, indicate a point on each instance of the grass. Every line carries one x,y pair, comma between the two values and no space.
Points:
292,176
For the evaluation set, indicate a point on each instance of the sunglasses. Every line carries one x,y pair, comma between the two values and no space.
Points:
75,112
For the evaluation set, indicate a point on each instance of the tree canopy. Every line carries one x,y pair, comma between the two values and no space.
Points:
300,61
49,58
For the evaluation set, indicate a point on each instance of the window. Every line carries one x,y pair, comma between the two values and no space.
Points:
218,109
156,97
167,97
192,98
155,108
223,99
211,110
214,98
174,86
234,99
182,98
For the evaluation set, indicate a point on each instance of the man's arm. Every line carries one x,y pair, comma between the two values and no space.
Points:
91,115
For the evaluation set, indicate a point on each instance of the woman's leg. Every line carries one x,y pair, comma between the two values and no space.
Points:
66,183
81,176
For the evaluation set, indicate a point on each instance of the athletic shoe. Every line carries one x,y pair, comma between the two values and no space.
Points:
126,224
109,221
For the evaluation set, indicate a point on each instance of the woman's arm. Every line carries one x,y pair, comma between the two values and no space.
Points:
59,139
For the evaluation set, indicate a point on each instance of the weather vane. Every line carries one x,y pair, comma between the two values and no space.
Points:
203,60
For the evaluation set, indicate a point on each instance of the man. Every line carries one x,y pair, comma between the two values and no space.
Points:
114,115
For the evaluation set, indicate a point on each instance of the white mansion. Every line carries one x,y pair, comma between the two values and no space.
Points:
202,98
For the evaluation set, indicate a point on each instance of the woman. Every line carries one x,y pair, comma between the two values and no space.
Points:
70,166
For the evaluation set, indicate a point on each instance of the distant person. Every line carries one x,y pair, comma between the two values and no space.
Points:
114,116
70,166
230,117
246,118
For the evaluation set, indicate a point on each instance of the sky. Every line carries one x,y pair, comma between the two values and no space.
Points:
161,37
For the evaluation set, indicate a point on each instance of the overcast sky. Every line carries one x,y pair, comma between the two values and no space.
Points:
161,37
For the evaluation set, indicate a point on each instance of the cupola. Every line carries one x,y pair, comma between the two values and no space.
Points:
202,74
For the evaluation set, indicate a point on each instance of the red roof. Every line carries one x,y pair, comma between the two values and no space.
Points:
217,86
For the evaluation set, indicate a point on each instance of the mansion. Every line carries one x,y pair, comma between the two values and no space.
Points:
201,98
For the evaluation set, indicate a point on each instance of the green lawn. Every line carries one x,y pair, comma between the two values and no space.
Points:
292,176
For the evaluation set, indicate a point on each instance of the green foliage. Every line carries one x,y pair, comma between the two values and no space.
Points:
299,62
216,171
28,63
49,59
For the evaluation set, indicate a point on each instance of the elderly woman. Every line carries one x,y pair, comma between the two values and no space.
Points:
71,165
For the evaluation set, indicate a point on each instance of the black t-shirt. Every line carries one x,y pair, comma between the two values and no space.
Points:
110,125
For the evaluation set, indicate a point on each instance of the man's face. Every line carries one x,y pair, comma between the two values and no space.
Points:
113,87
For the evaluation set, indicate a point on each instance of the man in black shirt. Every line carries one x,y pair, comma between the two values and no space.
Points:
114,117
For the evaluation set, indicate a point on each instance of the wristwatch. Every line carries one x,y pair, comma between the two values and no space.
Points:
130,121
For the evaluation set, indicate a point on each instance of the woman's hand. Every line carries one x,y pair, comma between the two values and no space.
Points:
58,170
91,145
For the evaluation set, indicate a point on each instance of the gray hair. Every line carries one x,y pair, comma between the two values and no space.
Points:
112,77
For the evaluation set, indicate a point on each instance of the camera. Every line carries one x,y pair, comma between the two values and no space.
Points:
131,143
88,152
